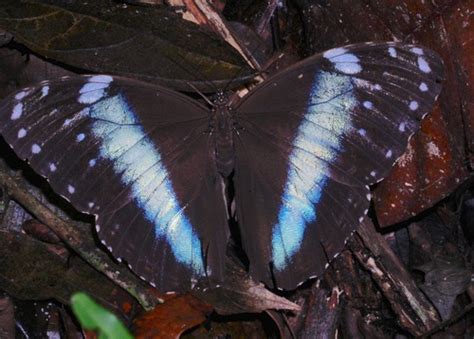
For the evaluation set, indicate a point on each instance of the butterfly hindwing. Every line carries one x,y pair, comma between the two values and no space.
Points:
123,150
311,139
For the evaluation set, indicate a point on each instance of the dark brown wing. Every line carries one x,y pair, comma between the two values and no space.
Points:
139,158
310,140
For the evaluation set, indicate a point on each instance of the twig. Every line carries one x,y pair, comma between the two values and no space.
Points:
415,313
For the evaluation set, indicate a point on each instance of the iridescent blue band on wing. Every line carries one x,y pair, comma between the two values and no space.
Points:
136,159
317,143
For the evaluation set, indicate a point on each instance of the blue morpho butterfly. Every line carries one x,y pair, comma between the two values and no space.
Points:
301,150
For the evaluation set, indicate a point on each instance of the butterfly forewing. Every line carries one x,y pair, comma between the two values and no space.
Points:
308,142
123,150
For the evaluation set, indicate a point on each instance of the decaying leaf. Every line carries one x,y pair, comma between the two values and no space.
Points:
240,294
427,172
172,318
444,281
148,43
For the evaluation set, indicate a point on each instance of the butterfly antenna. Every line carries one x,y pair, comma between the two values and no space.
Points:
200,93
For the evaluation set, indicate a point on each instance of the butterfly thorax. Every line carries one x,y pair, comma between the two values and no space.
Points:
222,122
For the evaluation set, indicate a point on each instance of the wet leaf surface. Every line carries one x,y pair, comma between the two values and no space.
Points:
444,282
439,250
148,43
430,169
169,320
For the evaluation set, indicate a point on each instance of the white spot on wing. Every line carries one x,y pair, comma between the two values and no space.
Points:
362,132
417,50
423,87
17,111
21,95
401,127
71,189
392,51
347,63
21,133
52,167
80,137
334,52
344,62
413,105
44,91
388,154
94,89
423,65
35,149
368,104
107,79
92,162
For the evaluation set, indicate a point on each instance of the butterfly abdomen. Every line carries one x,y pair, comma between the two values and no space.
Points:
224,144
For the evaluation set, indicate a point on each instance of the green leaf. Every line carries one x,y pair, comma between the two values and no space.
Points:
94,317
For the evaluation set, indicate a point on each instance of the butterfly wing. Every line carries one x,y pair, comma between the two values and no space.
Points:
311,139
139,158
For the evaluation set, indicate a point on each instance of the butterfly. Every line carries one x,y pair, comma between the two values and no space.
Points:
301,150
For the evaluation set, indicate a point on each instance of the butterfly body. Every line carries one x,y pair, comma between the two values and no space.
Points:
223,129
303,148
